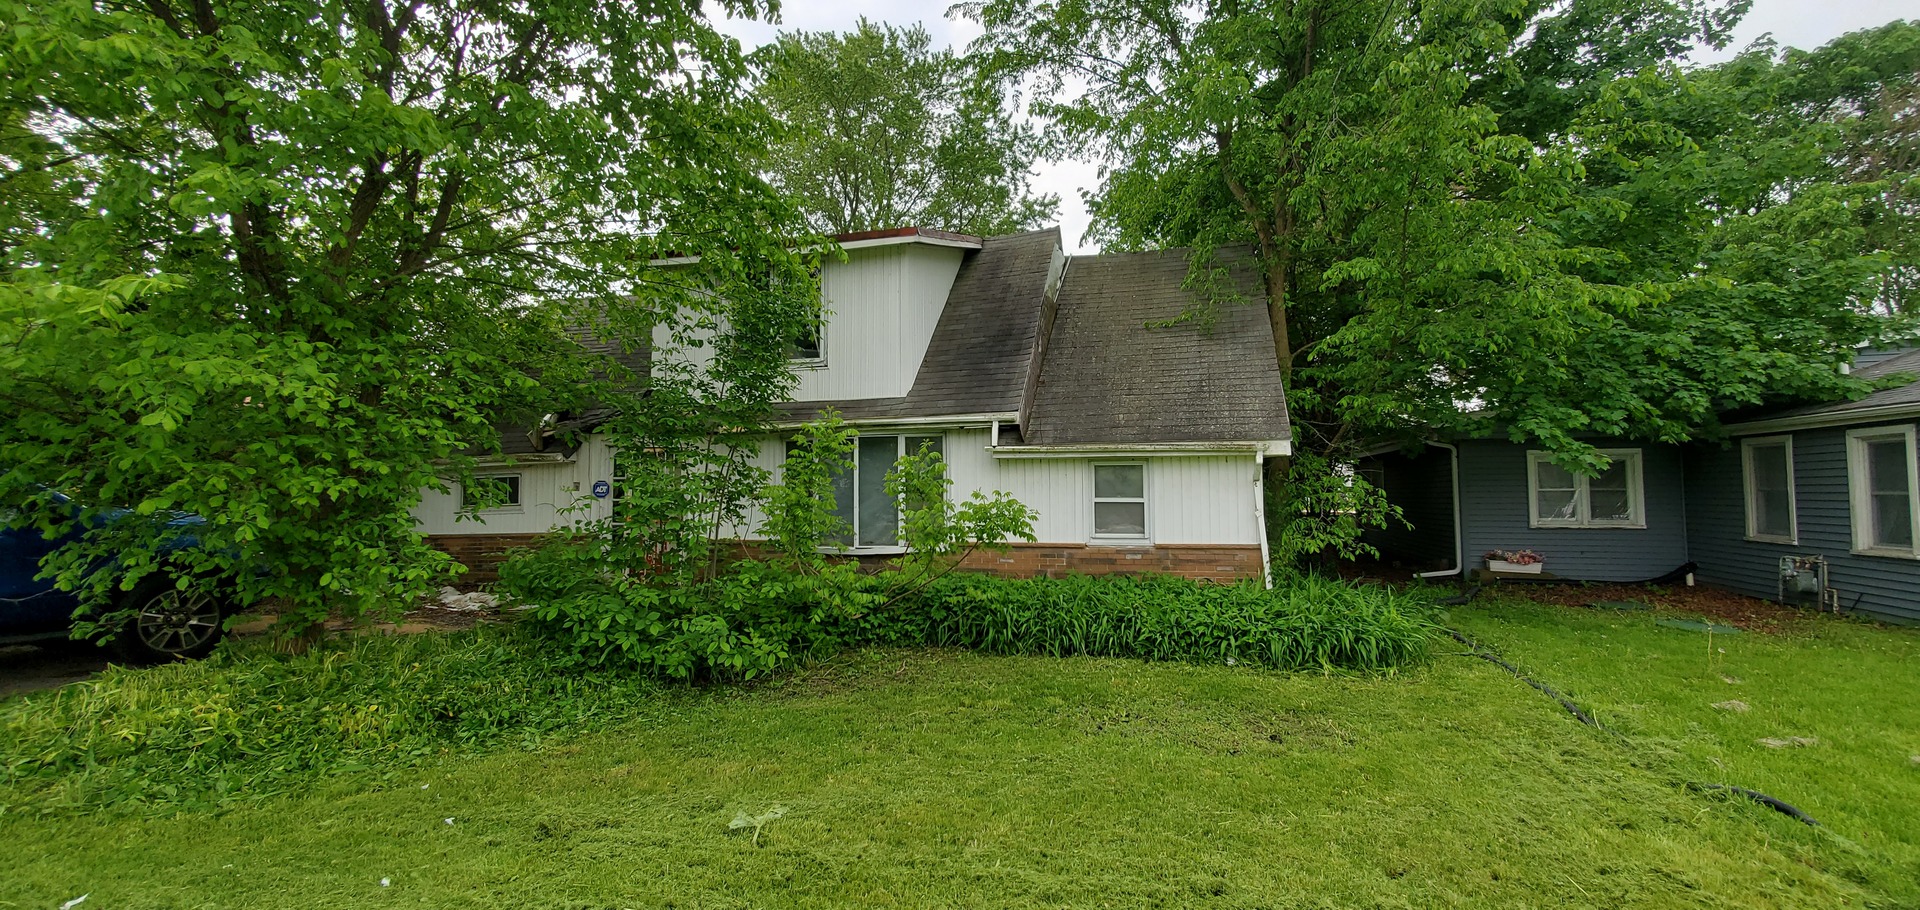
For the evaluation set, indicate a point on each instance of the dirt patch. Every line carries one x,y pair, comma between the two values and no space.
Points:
1738,610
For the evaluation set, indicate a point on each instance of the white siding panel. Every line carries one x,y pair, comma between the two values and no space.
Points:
1203,499
548,499
862,336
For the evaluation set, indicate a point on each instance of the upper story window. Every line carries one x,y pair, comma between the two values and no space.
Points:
1614,498
1767,466
1120,500
860,490
1881,477
491,491
808,345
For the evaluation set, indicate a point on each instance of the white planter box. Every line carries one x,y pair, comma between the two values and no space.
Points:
1501,565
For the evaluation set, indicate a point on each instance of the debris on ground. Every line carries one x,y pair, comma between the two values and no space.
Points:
1735,705
1773,743
452,599
1731,680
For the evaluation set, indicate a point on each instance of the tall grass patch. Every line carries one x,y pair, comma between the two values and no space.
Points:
1307,622
247,723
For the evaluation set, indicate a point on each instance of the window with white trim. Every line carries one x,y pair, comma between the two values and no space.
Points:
1120,500
490,492
1767,468
860,490
1882,478
1614,498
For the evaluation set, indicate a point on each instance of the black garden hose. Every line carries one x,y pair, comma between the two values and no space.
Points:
1474,649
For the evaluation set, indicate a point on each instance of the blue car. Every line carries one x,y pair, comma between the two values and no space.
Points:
167,623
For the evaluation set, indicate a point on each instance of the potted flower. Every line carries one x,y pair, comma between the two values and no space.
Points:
1523,561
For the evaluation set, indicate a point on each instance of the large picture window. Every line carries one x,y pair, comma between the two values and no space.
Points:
1559,498
1767,466
1120,500
860,491
1881,476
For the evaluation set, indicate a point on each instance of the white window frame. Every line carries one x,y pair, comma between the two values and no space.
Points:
519,494
1860,493
818,362
1636,493
900,451
1749,491
1146,508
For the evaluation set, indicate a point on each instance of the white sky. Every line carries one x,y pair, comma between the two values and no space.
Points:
1794,23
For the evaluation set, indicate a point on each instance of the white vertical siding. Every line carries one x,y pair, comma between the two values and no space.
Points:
1191,499
883,304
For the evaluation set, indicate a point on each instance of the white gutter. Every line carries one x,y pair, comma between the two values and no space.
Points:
1269,447
1831,419
1260,515
1459,542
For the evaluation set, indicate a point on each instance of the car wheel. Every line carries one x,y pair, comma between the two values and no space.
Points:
169,623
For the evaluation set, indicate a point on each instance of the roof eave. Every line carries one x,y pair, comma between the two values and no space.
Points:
1826,419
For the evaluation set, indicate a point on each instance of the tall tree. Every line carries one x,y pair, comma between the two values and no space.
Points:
882,130
283,266
1433,190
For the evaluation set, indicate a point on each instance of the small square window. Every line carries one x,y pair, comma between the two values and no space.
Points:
1120,500
1613,498
491,491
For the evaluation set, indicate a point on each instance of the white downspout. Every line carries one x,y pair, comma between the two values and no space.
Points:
1459,542
1260,513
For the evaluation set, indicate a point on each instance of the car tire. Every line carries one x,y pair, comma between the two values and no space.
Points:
170,623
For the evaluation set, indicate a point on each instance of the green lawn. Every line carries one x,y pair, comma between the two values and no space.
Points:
941,779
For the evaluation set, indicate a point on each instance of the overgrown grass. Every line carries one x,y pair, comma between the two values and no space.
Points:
247,724
1305,623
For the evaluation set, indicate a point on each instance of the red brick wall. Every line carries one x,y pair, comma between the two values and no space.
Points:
480,553
1212,562
483,553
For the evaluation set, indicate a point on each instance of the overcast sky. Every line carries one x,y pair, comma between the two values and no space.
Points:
1795,23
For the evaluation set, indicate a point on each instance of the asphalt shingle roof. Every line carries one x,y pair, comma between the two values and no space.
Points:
1909,394
1113,375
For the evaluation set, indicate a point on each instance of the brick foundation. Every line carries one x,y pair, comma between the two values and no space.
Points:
1201,562
482,554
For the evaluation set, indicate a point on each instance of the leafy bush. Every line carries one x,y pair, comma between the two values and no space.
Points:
1307,623
247,723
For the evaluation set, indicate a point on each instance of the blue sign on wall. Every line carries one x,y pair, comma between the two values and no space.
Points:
602,489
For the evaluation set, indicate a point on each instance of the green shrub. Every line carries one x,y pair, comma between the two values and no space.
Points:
1307,623
248,723
749,620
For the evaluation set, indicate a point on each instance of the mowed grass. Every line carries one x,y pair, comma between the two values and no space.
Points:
946,779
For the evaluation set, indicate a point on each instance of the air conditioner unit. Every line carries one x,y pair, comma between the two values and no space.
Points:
1803,581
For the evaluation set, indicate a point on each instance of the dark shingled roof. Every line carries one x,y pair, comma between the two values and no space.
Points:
1909,394
518,439
977,362
1108,378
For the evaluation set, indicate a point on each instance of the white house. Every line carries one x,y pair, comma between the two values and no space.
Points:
1042,375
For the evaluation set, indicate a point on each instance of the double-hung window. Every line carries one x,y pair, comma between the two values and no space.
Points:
1614,498
860,489
1120,501
1767,466
1881,476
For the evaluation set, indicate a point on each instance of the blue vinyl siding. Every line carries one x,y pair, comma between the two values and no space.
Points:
1883,587
1422,486
1493,491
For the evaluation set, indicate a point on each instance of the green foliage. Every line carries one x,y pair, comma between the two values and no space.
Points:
801,519
883,131
285,266
1324,511
247,724
1306,623
939,533
1482,216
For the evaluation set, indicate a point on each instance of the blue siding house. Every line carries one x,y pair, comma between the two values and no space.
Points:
1817,504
